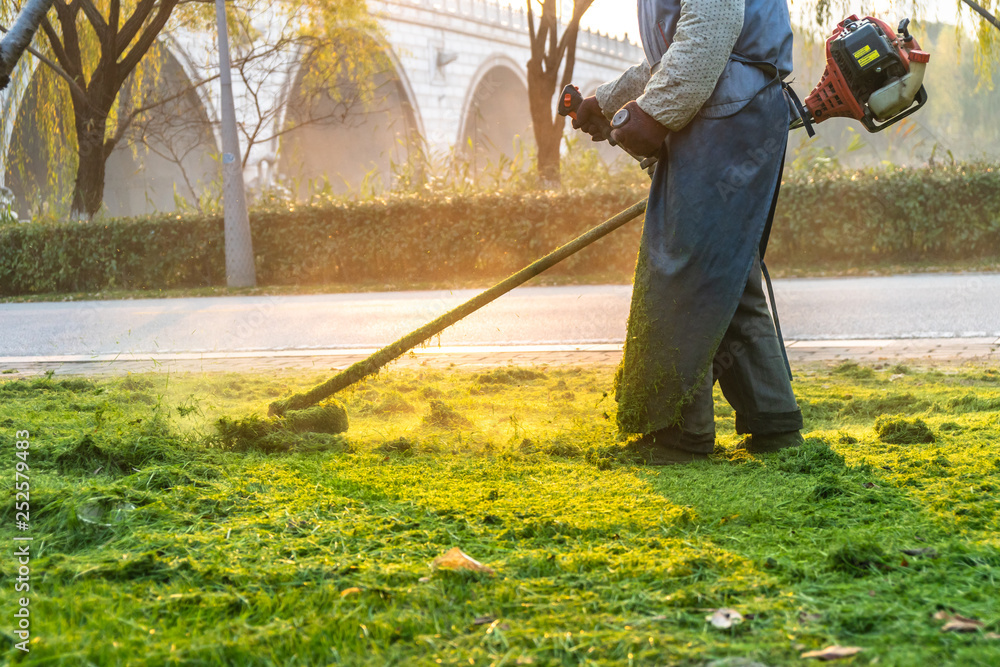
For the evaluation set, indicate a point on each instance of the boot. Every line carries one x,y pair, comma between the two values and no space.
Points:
668,446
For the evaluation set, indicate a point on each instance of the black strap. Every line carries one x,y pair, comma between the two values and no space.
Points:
770,213
805,118
762,248
777,324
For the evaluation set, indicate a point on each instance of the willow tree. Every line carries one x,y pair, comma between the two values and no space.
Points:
99,45
103,68
550,69
985,14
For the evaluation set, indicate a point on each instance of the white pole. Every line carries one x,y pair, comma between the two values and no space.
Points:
240,270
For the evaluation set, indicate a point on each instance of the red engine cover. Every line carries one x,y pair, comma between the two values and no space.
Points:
832,97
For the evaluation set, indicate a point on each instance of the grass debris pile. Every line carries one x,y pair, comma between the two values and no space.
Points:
898,430
442,415
278,434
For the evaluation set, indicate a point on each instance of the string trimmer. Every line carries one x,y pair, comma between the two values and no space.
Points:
872,75
372,364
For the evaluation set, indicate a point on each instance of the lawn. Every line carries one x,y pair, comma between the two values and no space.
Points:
157,541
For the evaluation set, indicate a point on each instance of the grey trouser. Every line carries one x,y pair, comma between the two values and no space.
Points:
750,369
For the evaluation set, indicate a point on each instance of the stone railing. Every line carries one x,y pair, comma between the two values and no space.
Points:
613,46
494,13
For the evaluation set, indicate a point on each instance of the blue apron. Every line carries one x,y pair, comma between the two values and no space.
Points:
709,203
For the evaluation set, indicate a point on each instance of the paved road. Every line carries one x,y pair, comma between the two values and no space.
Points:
919,306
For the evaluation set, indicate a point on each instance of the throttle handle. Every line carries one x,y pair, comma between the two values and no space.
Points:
570,101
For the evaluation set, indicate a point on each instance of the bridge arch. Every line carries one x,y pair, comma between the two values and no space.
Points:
183,53
11,98
168,153
496,119
178,153
349,142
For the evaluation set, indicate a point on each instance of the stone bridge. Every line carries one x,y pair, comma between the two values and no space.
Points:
456,87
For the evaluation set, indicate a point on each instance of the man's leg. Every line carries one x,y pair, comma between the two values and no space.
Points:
692,439
750,368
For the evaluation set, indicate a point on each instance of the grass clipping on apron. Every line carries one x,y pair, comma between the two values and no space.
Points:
641,378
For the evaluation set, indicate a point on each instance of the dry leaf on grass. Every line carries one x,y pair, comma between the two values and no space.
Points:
454,559
725,618
958,623
833,653
353,590
962,625
927,551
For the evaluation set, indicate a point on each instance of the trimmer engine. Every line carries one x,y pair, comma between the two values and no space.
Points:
873,75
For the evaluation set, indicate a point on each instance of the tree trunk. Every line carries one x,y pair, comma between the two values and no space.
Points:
548,133
548,51
88,190
549,142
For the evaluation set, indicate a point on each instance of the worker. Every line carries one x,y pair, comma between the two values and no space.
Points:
708,103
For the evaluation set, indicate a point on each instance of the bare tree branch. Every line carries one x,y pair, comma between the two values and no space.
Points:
531,26
57,48
979,9
147,38
142,10
72,58
95,18
126,122
52,66
114,19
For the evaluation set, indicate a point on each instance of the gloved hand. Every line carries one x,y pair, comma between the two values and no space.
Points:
591,120
640,134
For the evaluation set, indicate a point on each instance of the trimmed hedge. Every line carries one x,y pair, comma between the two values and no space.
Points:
904,215
897,215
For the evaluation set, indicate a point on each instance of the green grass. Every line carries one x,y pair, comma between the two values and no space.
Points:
239,554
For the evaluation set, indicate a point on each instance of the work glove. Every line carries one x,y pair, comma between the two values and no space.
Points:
637,131
591,120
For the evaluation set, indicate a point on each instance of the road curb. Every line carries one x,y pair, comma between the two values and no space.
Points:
918,351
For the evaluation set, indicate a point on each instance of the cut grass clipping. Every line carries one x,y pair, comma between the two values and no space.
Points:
900,431
272,433
164,536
